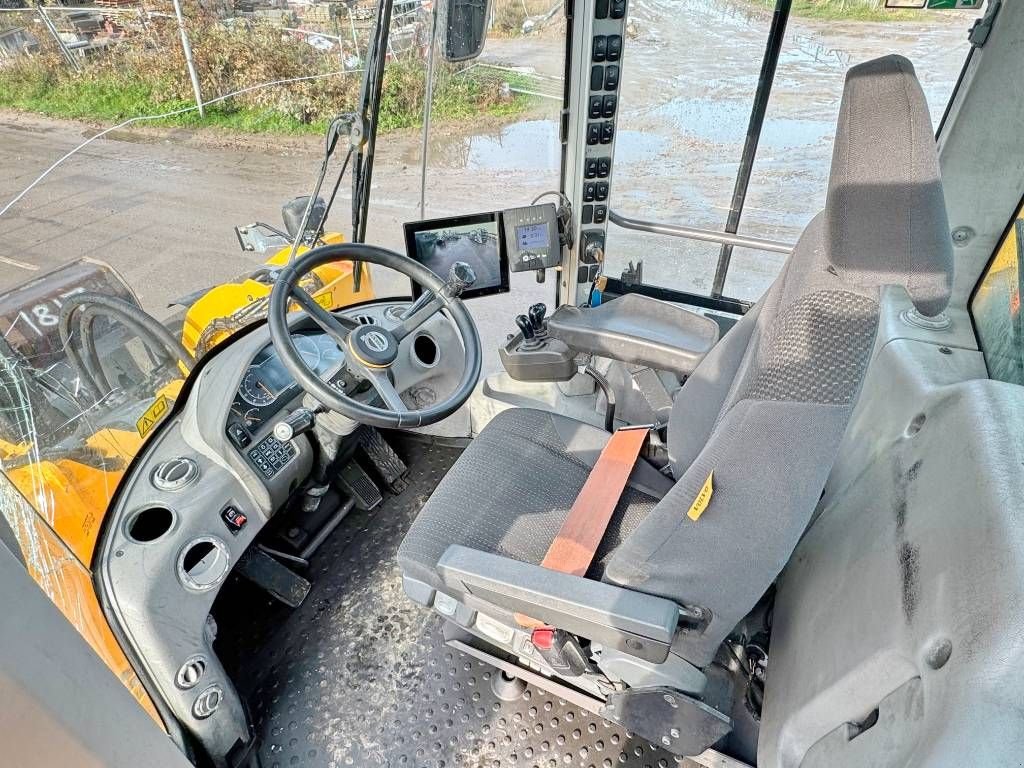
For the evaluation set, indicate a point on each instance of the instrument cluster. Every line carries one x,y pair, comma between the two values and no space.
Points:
267,386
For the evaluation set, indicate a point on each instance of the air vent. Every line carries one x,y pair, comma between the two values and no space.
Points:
207,702
203,563
175,474
365,320
190,673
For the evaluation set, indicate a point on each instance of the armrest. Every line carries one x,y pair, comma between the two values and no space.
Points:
632,622
638,329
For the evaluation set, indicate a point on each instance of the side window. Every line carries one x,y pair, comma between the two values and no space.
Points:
691,73
995,308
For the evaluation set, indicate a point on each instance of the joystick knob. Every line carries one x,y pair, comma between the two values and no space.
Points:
460,277
536,313
526,327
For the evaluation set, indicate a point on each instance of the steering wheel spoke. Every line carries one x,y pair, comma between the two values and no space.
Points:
333,326
417,318
381,383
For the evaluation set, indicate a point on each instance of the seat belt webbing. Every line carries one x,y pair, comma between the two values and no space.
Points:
573,549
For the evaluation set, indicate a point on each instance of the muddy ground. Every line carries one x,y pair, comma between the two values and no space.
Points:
159,205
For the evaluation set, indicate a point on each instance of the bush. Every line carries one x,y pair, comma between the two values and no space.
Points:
146,74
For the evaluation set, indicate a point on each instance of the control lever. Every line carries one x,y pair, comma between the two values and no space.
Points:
530,338
296,423
460,277
537,313
526,326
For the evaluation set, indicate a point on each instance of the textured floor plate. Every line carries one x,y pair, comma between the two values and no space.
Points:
360,676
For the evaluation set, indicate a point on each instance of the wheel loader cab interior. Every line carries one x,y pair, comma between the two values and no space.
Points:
674,530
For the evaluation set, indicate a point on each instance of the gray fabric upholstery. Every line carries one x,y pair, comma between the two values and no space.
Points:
765,410
512,489
886,215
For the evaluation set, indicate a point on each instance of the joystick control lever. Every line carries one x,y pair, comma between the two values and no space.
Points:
526,326
537,313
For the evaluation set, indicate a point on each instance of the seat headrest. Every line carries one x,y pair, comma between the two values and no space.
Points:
885,214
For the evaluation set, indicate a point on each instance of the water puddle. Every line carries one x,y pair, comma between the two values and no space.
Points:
529,145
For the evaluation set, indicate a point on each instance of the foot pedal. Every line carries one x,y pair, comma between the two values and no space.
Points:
388,464
360,486
276,579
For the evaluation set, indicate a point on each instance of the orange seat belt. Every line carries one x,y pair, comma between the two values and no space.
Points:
573,549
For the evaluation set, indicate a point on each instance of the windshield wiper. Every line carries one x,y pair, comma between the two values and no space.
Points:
364,129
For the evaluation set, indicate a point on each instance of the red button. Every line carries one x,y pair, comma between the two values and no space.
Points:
543,638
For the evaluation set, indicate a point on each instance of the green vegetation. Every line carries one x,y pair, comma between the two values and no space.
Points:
138,78
847,10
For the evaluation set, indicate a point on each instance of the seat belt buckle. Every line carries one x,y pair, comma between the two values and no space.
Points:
561,651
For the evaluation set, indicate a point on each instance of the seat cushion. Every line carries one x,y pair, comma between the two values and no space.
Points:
512,488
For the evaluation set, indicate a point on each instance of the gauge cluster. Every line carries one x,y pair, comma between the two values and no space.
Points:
267,386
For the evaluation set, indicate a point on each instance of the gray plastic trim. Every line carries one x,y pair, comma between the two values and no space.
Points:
632,622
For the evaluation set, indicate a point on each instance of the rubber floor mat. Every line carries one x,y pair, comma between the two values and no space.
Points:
360,676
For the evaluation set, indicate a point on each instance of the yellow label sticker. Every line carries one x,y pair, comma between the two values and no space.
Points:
325,300
703,498
160,408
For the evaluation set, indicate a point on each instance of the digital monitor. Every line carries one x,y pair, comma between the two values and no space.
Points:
477,239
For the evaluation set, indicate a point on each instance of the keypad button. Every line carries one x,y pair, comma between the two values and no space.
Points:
613,47
611,77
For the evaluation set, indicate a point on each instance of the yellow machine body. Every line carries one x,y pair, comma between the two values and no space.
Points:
226,308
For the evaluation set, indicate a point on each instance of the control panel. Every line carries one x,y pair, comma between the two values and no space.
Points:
531,237
532,355
602,106
270,455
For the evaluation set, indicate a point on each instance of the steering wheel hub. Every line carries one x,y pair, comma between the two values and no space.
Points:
373,347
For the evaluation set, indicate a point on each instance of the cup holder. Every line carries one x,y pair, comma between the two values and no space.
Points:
203,563
149,524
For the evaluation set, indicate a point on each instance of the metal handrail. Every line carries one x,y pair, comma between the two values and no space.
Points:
694,233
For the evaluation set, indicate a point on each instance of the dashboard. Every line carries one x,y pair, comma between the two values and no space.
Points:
267,387
211,479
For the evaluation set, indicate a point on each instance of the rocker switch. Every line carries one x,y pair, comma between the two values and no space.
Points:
613,47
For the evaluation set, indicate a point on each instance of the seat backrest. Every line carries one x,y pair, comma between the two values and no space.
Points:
765,411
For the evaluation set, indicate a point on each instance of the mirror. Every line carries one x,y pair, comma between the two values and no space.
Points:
465,28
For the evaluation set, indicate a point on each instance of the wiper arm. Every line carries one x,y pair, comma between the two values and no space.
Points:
341,125
364,130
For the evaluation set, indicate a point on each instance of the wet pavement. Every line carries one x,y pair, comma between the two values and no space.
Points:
160,207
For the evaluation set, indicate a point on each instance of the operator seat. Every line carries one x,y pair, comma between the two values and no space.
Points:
765,410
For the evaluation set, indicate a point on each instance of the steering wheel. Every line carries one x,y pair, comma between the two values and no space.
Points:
370,350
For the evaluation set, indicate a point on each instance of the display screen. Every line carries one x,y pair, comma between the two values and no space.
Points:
476,240
532,236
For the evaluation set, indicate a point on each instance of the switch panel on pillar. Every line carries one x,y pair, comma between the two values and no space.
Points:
598,111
